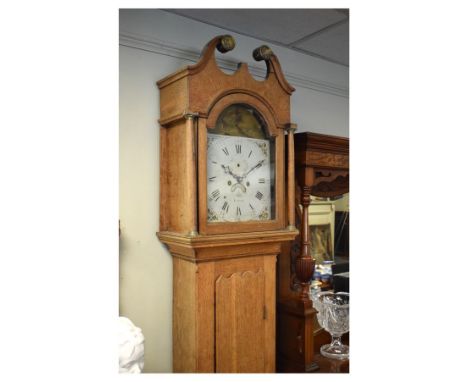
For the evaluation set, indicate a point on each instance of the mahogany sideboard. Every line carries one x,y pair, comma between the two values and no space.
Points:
322,169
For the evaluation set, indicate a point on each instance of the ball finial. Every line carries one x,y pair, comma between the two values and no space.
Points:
226,43
262,53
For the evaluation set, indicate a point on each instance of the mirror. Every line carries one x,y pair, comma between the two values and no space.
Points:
328,228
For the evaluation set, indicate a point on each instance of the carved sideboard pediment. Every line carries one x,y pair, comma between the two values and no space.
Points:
322,163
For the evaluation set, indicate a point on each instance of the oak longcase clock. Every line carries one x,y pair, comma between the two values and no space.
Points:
226,206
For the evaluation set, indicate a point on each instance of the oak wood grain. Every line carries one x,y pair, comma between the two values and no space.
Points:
224,274
184,308
240,335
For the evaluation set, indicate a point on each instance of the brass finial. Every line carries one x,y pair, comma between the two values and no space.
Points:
226,43
262,53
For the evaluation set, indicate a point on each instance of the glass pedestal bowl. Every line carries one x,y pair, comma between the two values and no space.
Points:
333,315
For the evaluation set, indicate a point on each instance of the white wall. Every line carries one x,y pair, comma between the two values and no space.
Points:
153,44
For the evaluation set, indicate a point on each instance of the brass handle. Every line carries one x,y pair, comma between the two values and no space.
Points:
299,344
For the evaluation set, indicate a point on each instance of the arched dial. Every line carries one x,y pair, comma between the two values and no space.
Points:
238,179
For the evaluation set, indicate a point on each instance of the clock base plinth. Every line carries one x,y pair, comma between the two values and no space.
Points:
223,285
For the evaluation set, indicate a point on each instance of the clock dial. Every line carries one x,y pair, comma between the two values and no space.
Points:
239,176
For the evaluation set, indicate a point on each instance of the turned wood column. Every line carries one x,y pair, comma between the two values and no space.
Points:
191,166
291,197
305,263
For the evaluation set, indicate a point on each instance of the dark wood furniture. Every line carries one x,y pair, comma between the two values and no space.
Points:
224,285
342,233
322,169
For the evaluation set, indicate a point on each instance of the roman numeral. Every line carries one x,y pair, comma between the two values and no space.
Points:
215,194
225,207
226,151
238,149
214,177
261,180
259,195
250,153
238,212
253,209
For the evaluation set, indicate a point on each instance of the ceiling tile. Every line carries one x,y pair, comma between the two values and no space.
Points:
277,25
332,43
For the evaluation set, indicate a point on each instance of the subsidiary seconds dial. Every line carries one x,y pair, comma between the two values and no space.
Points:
239,179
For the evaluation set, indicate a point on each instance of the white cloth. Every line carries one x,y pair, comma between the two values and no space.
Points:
131,347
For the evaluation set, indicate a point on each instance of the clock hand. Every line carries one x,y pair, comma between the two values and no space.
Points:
238,178
228,171
259,164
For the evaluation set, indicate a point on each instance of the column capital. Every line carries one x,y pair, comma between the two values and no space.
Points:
190,115
290,127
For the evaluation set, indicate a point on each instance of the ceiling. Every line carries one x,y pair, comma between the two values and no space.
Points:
322,33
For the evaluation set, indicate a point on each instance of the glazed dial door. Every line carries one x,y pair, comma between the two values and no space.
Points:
240,174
